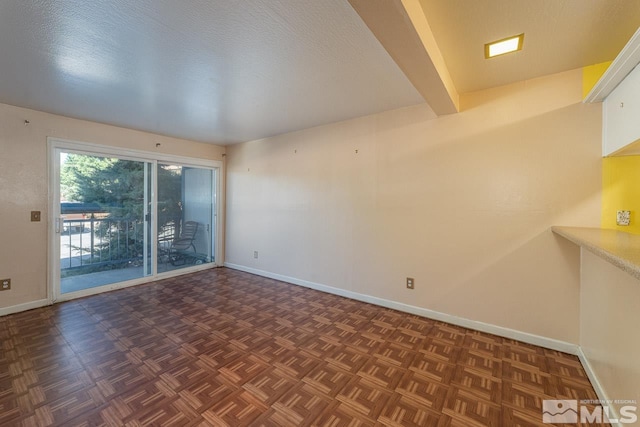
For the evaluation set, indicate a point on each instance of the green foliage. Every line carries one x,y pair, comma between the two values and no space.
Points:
117,186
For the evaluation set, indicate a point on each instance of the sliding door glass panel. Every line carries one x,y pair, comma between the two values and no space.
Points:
185,216
104,226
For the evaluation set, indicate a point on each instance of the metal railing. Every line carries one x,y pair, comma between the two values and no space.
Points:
96,244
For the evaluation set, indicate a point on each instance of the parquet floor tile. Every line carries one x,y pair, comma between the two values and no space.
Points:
402,411
227,348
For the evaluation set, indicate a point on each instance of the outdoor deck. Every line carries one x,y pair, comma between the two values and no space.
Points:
78,252
101,278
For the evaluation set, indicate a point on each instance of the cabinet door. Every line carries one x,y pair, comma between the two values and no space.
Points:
621,114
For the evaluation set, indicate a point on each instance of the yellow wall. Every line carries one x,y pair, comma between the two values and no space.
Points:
620,175
621,191
591,75
462,203
24,187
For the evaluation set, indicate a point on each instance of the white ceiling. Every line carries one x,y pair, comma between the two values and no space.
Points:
218,71
560,35
225,71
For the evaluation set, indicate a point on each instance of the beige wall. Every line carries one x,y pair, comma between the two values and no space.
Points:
24,187
609,321
462,203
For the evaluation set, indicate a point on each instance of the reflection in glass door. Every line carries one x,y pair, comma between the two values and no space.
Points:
102,225
186,216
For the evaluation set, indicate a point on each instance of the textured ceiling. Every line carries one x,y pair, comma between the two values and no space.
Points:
218,71
225,71
560,35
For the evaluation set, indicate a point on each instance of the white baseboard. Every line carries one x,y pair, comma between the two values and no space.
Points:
97,290
431,314
592,376
420,311
538,340
24,307
597,387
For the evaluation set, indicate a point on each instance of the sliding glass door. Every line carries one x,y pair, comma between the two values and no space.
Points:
186,220
103,225
124,220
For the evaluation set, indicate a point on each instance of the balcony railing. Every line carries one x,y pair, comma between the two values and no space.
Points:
96,244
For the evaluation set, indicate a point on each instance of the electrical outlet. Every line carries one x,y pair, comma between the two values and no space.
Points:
410,283
5,284
623,217
255,254
35,216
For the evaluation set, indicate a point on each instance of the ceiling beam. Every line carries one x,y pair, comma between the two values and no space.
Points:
402,28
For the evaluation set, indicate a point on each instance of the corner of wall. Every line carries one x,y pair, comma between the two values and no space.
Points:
590,76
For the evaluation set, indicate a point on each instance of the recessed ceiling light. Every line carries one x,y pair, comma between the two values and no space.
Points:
500,47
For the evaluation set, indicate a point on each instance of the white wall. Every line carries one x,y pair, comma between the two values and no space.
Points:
462,203
609,322
24,187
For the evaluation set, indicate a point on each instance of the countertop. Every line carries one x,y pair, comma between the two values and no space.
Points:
617,247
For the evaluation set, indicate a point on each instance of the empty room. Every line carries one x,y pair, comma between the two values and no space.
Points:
319,212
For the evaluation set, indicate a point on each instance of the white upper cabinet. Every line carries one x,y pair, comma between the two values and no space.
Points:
619,91
621,114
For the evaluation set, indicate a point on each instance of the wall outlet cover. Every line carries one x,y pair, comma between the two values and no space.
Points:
623,217
410,283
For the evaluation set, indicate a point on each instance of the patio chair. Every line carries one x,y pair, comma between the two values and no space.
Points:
179,252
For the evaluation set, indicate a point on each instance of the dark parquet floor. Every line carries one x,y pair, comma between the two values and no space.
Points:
223,347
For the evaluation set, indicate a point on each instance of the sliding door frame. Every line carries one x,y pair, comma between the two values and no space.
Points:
56,145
